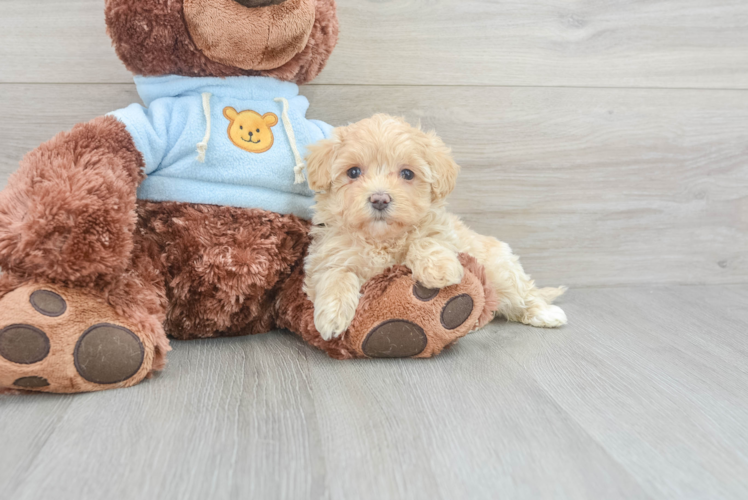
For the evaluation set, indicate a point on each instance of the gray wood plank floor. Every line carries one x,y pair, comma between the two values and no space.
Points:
643,395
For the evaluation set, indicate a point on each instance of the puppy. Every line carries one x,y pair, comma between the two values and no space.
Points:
380,187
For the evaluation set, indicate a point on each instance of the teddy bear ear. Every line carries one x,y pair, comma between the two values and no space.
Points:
271,119
443,167
230,113
320,159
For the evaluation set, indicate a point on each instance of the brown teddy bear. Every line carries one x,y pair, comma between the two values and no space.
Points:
188,217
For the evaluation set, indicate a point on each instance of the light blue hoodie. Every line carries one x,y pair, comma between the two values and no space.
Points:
205,140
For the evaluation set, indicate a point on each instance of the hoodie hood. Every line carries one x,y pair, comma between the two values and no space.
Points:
251,88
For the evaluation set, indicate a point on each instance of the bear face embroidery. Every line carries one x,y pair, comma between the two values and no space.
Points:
249,130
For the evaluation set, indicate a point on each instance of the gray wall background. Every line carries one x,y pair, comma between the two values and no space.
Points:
607,142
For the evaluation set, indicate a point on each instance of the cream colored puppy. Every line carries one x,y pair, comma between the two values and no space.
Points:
381,186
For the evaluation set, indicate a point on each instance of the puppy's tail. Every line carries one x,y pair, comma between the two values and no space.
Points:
550,294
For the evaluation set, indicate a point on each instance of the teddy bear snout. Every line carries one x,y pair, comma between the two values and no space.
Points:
259,3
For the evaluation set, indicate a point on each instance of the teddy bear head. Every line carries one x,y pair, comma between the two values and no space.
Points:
286,39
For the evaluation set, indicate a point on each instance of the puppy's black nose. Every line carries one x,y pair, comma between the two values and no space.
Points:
380,201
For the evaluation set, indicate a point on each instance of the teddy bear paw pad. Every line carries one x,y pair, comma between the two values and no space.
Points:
48,303
395,338
107,354
412,320
456,311
31,382
23,344
423,293
55,339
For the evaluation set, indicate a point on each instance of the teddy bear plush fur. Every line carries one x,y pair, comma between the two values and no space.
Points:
95,279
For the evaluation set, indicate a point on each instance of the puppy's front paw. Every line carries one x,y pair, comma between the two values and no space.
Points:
547,317
439,272
333,315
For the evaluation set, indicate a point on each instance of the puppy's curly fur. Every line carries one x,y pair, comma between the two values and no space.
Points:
381,186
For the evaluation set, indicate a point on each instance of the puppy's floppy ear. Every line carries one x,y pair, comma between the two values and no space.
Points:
319,160
443,166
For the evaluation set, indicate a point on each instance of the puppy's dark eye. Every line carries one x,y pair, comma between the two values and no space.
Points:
258,130
354,173
241,128
406,174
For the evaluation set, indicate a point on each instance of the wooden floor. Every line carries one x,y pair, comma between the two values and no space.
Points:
643,395
605,141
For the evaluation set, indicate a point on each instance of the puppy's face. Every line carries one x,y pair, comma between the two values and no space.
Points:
379,177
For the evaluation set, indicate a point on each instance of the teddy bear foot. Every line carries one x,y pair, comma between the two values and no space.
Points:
400,318
55,339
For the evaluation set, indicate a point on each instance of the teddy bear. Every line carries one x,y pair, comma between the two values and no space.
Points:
188,216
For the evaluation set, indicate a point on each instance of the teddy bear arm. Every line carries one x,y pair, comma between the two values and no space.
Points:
68,213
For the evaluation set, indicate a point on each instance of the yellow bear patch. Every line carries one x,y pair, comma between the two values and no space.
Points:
249,130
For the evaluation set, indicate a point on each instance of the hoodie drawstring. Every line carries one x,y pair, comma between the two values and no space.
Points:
298,169
202,146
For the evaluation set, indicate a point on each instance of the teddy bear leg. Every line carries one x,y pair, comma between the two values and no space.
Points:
77,311
397,317
64,339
